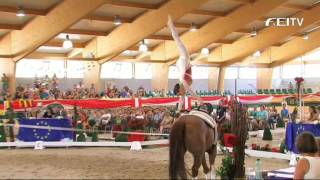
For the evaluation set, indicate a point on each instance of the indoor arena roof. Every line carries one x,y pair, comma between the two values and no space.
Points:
233,31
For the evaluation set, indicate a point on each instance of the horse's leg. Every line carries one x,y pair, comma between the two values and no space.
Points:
212,157
197,159
205,167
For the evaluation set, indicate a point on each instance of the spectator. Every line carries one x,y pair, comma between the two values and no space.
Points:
308,166
166,123
290,86
273,117
284,114
221,112
313,114
262,117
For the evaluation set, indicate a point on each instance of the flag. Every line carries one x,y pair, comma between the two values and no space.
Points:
34,134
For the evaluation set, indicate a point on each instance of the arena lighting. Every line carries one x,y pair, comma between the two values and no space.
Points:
143,47
67,43
205,51
253,33
20,12
257,54
305,36
117,20
193,27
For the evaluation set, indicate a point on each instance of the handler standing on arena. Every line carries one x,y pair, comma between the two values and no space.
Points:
184,68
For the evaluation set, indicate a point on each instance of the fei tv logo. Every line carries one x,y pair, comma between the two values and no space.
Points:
284,22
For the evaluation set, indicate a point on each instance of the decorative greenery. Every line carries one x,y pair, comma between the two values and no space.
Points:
10,114
233,164
2,132
93,130
283,147
226,171
267,135
281,123
80,134
121,138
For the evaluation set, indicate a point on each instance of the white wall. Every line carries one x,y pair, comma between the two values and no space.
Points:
313,83
197,84
229,84
64,83
131,83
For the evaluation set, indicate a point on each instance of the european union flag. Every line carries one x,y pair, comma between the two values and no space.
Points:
34,134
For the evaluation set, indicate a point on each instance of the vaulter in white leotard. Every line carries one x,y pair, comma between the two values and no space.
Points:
184,68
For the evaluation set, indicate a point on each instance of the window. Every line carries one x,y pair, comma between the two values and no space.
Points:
117,70
291,71
75,69
312,56
231,73
173,72
143,71
200,72
276,73
28,68
247,73
312,70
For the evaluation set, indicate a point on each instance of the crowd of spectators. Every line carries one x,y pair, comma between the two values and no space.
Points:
48,88
153,119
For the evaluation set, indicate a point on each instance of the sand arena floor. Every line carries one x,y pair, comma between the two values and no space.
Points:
97,163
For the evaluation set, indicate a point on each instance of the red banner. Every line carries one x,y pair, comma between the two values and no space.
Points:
114,103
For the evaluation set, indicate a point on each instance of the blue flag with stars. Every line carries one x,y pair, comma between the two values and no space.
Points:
46,134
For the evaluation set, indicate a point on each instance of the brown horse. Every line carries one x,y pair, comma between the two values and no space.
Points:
191,133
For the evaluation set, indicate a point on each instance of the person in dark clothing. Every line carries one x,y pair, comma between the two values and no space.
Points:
221,112
48,113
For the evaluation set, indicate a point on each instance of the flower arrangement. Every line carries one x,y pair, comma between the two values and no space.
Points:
299,80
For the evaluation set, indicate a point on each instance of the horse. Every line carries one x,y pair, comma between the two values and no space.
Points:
191,133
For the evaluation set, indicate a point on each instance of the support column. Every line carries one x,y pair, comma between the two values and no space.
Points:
160,76
213,78
92,75
222,72
8,66
264,78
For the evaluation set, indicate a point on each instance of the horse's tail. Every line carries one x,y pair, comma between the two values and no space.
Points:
177,149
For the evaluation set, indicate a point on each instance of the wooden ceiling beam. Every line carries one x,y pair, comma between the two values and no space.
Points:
295,48
108,18
239,50
133,5
296,6
159,37
210,33
85,32
59,44
26,10
208,13
10,26
32,36
243,1
144,26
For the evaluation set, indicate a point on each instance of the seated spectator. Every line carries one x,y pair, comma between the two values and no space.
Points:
313,114
48,113
273,117
261,118
284,114
254,112
308,166
166,123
